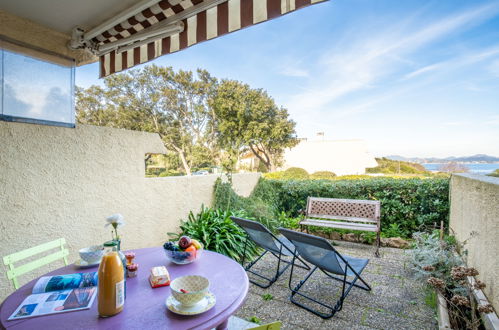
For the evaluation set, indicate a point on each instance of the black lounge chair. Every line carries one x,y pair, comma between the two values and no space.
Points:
319,252
279,246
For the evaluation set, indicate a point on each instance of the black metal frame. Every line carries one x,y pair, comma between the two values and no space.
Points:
344,292
279,256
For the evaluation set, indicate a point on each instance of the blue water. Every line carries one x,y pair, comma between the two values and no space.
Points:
473,168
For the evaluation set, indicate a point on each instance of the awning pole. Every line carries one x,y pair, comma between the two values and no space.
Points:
146,34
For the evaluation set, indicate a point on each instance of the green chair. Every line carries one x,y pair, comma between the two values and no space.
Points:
14,272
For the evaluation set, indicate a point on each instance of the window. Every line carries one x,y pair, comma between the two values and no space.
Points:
36,90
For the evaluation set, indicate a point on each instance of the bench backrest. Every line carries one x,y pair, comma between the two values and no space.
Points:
355,210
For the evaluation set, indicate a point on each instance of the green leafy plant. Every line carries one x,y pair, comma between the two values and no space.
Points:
255,319
217,232
267,296
369,237
393,230
288,222
429,250
254,207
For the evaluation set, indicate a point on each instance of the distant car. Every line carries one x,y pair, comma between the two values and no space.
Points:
203,172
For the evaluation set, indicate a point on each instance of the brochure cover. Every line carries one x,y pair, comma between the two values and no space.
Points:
58,294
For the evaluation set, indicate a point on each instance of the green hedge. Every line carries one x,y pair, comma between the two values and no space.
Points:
410,204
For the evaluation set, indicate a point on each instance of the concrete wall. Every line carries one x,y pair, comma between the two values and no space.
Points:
41,37
62,182
475,208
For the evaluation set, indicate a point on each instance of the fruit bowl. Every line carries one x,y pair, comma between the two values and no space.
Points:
181,256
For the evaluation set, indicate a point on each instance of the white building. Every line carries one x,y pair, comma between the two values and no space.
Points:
342,157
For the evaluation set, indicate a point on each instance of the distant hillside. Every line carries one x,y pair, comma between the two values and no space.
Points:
479,158
389,166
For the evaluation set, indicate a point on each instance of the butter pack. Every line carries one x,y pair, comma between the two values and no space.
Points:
159,277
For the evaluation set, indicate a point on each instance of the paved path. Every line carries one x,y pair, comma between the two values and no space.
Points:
397,301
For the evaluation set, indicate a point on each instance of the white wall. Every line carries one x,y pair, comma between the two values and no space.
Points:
341,157
62,182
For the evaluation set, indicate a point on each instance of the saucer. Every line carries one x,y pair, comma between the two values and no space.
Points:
205,304
80,263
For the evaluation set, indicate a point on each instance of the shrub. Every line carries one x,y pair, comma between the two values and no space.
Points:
322,175
259,209
169,173
437,262
389,166
155,171
279,175
295,173
428,250
217,232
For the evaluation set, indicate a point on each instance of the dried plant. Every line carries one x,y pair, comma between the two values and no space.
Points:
438,262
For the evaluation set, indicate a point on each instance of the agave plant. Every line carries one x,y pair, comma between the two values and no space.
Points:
218,233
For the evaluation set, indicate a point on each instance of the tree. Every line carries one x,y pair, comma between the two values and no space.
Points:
453,167
157,99
248,118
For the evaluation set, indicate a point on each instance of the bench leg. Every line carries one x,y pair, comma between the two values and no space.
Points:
378,243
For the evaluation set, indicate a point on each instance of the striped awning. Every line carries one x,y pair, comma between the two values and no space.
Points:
222,18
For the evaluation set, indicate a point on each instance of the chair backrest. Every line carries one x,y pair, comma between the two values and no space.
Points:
14,272
316,250
356,210
259,234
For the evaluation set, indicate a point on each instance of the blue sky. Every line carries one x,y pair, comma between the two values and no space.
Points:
412,77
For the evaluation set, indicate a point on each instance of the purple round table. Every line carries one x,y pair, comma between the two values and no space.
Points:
144,306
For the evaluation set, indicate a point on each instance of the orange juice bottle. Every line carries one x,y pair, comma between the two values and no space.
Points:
111,293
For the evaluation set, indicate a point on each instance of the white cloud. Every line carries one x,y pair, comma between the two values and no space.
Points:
422,70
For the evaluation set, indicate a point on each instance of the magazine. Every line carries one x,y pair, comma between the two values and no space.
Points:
58,294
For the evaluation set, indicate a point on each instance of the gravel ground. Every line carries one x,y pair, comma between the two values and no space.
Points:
395,302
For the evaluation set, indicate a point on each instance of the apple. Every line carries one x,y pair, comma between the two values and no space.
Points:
184,242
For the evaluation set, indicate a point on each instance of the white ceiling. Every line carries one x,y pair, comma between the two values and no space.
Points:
64,15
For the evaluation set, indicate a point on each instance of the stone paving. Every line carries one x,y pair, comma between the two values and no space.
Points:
396,301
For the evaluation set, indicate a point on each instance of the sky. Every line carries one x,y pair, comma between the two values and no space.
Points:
412,78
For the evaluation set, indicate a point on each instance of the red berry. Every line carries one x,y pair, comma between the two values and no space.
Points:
184,291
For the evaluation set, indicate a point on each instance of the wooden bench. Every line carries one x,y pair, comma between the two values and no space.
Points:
348,214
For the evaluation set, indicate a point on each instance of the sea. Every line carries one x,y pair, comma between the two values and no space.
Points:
475,168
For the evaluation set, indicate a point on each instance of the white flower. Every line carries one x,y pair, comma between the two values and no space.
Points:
116,220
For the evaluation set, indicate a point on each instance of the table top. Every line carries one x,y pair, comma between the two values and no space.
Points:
144,306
